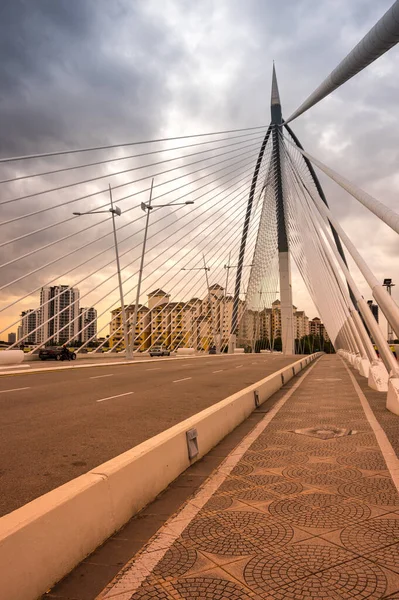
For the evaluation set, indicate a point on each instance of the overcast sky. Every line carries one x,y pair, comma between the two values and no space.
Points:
84,72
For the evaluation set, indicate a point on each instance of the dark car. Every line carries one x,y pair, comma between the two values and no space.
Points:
159,351
212,350
54,353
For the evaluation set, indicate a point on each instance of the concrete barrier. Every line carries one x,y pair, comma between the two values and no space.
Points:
239,350
11,357
42,541
185,351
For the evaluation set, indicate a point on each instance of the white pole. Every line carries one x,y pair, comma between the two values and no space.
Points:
386,354
387,304
211,306
118,267
136,306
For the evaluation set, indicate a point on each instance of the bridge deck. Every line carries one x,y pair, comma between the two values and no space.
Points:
285,515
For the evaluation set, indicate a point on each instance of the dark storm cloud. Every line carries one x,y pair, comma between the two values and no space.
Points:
64,82
77,73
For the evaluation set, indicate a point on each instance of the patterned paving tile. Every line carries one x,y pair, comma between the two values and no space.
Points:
358,579
177,561
295,519
371,535
237,533
319,510
379,491
366,459
265,573
210,588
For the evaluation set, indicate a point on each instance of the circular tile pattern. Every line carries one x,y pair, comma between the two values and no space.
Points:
379,490
236,533
260,444
242,469
356,579
370,536
178,560
150,592
319,510
273,459
209,588
266,487
263,573
365,439
365,459
234,484
387,557
322,474
218,502
322,451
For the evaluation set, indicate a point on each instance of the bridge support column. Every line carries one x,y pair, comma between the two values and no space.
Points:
393,395
287,315
378,377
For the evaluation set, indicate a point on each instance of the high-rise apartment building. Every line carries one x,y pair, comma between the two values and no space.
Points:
30,320
87,325
59,314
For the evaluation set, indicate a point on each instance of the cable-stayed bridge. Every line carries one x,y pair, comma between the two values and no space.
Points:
90,234
186,245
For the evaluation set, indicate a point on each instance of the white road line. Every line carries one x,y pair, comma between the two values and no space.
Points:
185,379
132,576
14,390
220,370
155,369
112,397
99,376
254,363
239,366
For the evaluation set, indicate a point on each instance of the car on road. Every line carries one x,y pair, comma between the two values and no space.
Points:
54,353
212,350
159,351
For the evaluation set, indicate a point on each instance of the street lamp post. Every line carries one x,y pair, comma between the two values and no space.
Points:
389,285
115,211
147,208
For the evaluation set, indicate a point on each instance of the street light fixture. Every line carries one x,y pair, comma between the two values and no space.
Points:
114,210
147,207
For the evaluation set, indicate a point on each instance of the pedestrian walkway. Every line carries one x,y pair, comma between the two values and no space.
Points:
303,508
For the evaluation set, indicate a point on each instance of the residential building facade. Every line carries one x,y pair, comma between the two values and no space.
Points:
30,320
87,325
59,314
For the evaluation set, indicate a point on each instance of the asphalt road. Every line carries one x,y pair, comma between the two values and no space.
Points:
57,425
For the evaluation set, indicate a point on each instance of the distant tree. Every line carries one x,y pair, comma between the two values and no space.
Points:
277,344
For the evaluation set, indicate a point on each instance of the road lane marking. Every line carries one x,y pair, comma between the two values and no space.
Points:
99,376
239,366
155,369
185,379
220,370
112,397
14,390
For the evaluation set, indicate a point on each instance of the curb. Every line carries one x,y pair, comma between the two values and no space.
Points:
44,540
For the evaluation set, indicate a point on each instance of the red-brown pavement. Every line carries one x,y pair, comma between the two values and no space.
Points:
286,515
